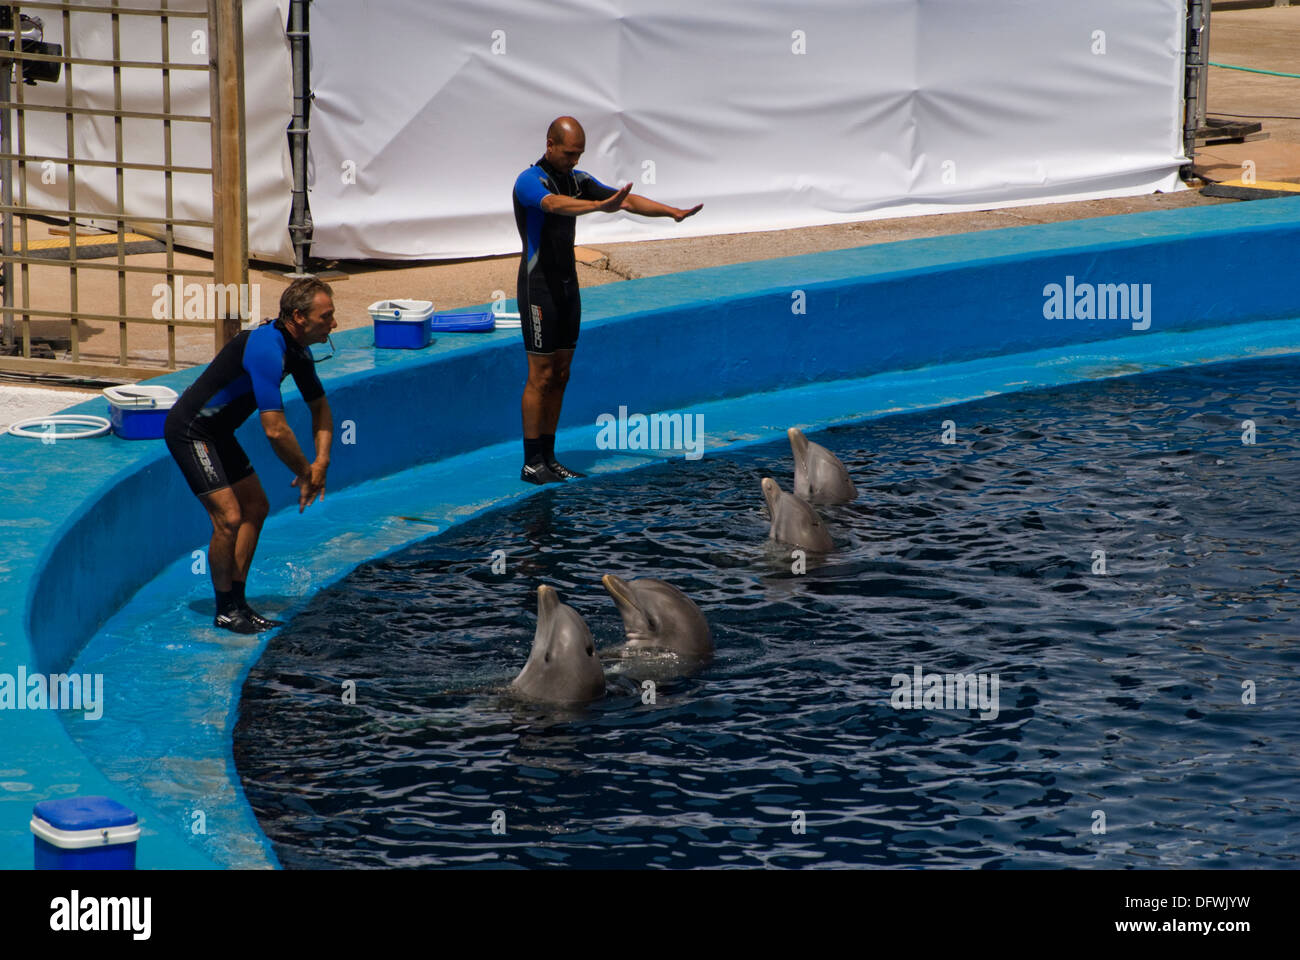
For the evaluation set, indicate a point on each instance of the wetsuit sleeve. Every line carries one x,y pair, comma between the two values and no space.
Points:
530,188
264,361
589,188
309,385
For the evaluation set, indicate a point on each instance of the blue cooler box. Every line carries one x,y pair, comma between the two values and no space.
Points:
84,833
463,322
138,411
402,323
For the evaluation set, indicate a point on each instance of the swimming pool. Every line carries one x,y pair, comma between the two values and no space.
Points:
1118,736
93,578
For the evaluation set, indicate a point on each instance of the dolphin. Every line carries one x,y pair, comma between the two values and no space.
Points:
819,476
658,616
563,666
793,521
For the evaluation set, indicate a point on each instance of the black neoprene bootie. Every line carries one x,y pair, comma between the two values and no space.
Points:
539,473
560,470
236,621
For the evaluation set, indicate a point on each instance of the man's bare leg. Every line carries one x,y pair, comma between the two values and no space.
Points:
543,394
563,359
555,400
537,391
237,514
223,510
253,508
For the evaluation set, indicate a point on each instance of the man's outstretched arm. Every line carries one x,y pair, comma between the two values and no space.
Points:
645,207
575,207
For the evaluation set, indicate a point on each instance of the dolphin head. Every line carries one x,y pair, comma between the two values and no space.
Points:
636,621
819,476
563,666
793,521
656,615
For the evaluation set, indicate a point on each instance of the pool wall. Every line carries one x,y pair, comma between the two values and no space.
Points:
90,522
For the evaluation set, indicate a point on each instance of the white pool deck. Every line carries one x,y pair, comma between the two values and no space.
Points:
18,403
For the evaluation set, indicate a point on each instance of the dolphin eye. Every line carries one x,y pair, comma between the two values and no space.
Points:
590,651
547,658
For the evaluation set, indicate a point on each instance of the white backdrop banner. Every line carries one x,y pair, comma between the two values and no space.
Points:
268,93
773,113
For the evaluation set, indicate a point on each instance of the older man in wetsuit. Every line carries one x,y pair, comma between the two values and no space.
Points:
548,196
200,433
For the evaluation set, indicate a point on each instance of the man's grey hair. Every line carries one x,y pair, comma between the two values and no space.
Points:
300,295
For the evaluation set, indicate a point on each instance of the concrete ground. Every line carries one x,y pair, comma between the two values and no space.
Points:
1265,38
20,403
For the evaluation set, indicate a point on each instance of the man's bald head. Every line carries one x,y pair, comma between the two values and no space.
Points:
565,143
563,128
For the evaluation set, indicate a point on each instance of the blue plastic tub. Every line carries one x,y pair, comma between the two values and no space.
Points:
405,334
84,833
138,411
402,324
464,322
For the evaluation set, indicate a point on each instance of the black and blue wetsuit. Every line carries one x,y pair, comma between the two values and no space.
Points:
245,376
550,308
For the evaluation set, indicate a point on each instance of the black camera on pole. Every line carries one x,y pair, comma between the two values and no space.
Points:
31,31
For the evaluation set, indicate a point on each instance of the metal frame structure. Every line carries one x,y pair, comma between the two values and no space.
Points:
300,225
1197,77
224,20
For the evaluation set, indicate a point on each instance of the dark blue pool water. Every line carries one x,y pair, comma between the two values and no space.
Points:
1119,694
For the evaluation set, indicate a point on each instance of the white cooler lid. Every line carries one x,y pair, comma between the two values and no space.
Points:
81,839
401,310
141,396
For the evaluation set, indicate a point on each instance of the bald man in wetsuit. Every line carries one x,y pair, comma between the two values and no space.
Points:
548,196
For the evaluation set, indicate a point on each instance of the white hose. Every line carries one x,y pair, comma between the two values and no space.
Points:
98,427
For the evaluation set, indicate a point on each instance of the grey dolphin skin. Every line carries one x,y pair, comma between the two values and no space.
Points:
563,666
819,476
795,522
658,616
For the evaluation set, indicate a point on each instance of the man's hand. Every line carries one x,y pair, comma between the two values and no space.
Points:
310,485
681,215
614,203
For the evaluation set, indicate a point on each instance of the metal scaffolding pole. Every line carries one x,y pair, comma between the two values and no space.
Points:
300,225
1197,77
